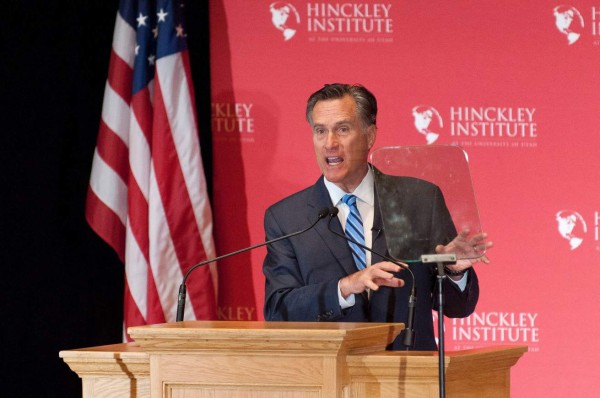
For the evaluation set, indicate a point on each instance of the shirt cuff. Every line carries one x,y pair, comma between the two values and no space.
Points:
461,283
349,302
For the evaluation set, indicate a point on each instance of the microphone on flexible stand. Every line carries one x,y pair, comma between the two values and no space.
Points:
409,331
182,288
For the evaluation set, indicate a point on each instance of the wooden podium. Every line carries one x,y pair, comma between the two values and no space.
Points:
199,359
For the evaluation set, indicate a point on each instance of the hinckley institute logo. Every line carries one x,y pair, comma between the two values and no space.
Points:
427,122
232,122
572,227
479,126
569,22
285,18
363,22
494,327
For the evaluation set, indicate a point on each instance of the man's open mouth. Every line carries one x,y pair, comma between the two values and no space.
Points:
334,160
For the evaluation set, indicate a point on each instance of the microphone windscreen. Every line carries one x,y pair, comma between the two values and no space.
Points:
324,212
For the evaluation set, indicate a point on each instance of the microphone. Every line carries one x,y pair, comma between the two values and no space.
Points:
182,288
409,332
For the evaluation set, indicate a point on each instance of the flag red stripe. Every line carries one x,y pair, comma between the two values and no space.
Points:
120,76
180,217
156,312
173,190
105,223
131,313
139,210
141,107
113,151
202,295
185,61
138,218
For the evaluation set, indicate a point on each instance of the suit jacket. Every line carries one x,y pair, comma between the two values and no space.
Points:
302,272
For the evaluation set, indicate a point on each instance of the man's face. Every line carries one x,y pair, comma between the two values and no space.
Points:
341,142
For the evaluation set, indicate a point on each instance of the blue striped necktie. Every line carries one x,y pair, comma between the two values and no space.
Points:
354,230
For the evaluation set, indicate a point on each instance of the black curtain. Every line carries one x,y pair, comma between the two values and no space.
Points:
61,287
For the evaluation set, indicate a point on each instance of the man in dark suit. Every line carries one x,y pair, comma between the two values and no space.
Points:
318,276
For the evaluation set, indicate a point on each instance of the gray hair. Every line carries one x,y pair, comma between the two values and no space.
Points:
366,104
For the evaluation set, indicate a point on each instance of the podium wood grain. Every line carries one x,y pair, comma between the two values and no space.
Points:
201,359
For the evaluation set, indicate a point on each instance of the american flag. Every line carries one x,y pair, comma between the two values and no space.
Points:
147,196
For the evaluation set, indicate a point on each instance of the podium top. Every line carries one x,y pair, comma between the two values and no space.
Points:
266,336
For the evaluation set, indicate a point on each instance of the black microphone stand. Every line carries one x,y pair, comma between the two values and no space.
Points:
440,260
182,288
409,331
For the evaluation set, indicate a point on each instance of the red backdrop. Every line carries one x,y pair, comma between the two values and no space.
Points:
515,83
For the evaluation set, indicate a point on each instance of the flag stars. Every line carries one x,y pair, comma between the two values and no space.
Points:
155,32
162,15
151,60
179,29
141,20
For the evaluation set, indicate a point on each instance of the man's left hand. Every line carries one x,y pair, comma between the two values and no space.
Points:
468,250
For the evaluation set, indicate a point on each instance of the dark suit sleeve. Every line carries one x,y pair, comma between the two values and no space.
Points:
294,288
459,304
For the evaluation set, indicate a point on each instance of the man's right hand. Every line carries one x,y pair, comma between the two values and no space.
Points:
380,274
